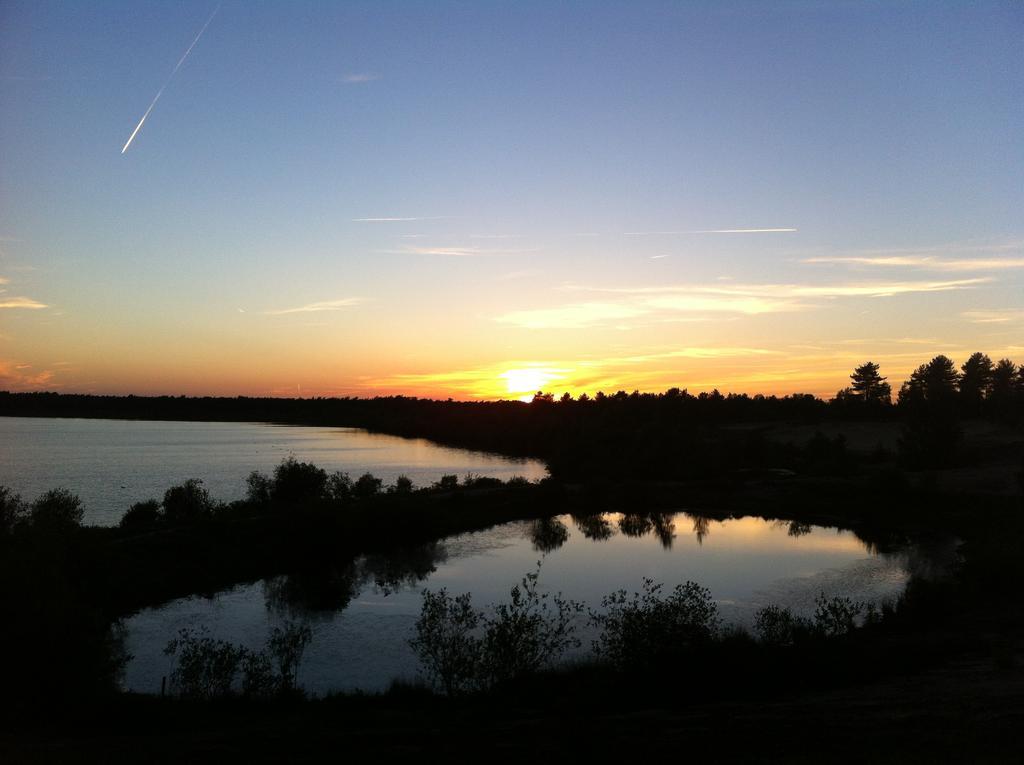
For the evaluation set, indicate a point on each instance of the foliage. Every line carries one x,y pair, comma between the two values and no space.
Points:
339,487
57,510
463,649
775,625
188,502
142,516
403,485
367,485
527,633
257,487
446,642
646,628
296,481
206,668
837,615
13,511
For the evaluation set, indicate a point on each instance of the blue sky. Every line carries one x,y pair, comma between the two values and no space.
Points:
540,149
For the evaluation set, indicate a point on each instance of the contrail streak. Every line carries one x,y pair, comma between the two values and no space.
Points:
168,81
714,231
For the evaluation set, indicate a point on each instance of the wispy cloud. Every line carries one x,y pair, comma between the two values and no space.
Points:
21,302
460,252
359,77
324,305
1000,316
660,303
714,231
398,220
928,262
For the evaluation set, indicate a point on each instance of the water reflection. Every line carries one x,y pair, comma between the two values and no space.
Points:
360,638
322,592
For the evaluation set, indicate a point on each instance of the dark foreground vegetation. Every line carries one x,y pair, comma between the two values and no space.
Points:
935,676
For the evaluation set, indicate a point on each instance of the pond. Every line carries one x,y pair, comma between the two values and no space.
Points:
111,464
362,613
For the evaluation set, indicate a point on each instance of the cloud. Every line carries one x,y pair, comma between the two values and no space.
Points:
573,316
949,256
714,231
4,281
459,252
21,302
1000,316
324,305
924,261
661,303
396,220
359,77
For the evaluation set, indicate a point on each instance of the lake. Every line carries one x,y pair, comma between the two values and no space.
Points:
111,464
362,614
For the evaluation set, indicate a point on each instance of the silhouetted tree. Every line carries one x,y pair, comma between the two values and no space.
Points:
188,502
1004,382
975,382
869,386
56,510
934,382
296,481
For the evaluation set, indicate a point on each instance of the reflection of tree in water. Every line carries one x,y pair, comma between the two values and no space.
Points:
701,526
406,566
548,534
664,528
635,524
594,526
330,589
797,529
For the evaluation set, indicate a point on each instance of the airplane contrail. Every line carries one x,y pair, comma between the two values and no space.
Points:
168,81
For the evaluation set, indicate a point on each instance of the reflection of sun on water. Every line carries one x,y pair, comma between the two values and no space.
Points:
526,382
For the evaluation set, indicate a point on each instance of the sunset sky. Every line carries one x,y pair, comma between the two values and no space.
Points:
478,200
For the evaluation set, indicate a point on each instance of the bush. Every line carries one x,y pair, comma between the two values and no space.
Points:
836,616
647,628
142,516
446,644
447,483
778,626
206,668
527,633
57,510
462,649
339,487
296,481
13,511
403,485
188,502
258,487
366,486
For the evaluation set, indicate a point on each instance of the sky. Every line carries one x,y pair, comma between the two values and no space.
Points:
483,199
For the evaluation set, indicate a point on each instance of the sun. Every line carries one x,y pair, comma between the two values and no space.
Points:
524,383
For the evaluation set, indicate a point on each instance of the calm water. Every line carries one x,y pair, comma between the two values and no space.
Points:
362,615
112,464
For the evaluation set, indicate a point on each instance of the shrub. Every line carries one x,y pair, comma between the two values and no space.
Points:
296,481
778,626
836,616
57,510
257,488
188,502
339,487
527,633
367,485
447,483
13,511
142,516
403,485
642,630
445,642
205,668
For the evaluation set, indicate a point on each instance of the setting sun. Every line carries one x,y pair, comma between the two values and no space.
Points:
523,383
